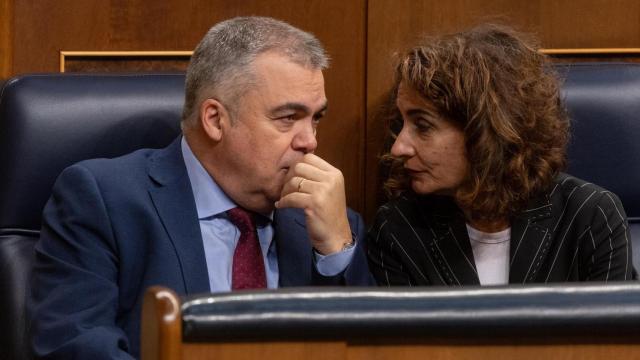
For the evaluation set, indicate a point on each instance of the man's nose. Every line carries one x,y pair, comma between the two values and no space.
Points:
305,139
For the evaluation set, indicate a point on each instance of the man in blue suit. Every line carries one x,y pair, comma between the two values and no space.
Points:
239,201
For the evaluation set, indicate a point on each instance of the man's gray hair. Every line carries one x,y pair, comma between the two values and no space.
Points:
221,63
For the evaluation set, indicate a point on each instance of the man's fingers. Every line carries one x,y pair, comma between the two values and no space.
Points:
308,171
317,161
294,200
299,184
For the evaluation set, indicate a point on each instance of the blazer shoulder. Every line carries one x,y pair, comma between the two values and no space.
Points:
125,178
117,166
572,193
568,186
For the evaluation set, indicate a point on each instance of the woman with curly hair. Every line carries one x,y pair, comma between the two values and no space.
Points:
478,196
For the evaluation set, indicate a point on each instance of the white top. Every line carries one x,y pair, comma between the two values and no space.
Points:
491,255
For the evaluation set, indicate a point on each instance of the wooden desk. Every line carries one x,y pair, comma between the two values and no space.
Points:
162,339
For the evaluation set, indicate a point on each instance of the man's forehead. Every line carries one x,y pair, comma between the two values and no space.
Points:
271,63
283,85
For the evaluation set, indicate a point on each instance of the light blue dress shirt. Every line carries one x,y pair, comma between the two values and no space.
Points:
220,236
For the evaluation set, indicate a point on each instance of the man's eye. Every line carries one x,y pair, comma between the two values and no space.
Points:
288,118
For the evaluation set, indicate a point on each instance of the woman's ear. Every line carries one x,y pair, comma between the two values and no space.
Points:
212,116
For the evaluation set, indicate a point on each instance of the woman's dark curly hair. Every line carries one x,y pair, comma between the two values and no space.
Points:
494,84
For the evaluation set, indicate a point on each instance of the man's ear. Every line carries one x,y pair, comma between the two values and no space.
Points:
213,115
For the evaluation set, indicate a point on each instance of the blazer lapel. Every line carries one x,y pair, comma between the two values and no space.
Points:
293,249
174,202
442,234
530,240
451,247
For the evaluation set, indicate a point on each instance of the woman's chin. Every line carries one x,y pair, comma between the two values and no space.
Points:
422,187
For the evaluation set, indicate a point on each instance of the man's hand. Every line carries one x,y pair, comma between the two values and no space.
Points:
317,187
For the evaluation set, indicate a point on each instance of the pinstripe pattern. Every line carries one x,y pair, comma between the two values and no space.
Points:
576,232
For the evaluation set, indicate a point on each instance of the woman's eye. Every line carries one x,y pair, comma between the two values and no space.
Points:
422,126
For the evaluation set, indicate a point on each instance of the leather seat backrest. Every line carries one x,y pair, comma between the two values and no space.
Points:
603,100
48,122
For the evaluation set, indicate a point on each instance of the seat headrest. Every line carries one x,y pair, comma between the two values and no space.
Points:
603,100
50,121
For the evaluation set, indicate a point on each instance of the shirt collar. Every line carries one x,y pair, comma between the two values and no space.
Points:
210,198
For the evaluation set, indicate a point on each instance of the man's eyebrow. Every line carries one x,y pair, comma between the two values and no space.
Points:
297,107
323,109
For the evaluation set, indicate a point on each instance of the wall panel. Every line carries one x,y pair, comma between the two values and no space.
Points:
590,23
6,45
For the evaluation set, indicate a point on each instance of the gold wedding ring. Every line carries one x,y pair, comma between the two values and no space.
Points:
300,184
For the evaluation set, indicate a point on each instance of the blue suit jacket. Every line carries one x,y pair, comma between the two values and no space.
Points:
114,227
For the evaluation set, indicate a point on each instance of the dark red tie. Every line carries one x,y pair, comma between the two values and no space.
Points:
248,265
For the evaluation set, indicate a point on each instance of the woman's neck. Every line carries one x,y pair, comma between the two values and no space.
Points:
489,226
486,225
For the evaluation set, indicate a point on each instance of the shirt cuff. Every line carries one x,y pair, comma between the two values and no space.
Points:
333,264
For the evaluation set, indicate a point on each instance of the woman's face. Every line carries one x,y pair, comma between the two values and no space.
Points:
431,146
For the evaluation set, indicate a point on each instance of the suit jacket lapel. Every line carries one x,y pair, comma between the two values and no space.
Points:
174,202
531,232
294,254
452,248
443,234
456,245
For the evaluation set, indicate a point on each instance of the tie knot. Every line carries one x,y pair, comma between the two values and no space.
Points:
242,219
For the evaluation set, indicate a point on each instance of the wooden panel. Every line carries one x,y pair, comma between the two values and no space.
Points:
161,325
126,25
393,25
590,23
134,64
311,350
124,61
426,349
495,352
6,45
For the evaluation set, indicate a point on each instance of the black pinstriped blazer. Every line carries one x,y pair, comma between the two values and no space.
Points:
575,232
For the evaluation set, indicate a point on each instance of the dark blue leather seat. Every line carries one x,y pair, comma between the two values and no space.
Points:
603,100
48,122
